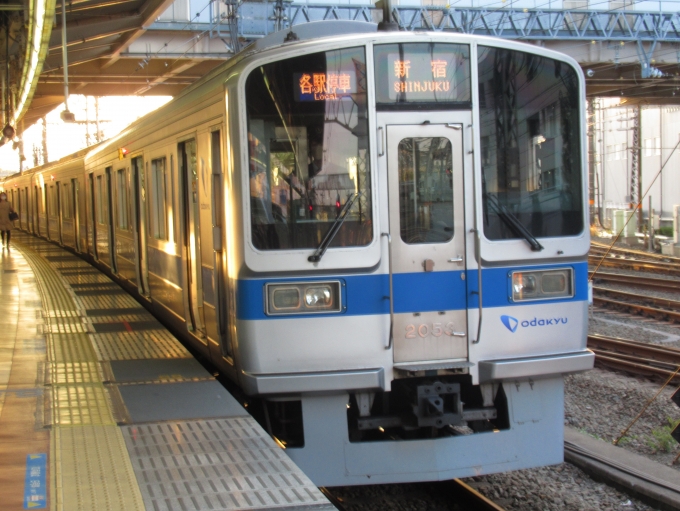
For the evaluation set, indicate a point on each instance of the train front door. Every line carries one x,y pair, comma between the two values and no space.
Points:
427,247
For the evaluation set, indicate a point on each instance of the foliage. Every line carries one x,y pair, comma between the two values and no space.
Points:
665,231
661,439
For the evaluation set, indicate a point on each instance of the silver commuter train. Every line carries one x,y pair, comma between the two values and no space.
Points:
313,216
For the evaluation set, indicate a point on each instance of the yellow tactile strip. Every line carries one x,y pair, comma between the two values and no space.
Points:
70,348
80,404
90,472
89,462
65,373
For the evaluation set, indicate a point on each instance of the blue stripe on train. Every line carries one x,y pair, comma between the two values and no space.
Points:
413,292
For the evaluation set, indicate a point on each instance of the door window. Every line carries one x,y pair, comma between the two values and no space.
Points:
425,190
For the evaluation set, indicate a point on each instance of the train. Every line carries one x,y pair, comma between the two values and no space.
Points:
380,237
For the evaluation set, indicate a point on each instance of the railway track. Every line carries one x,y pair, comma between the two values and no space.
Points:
601,248
661,309
637,260
639,281
636,357
459,496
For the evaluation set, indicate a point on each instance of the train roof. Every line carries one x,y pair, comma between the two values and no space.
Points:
304,35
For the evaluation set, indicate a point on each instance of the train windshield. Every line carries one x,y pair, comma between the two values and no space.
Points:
308,151
530,145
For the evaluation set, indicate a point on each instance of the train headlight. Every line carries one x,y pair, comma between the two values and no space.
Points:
319,297
542,284
303,298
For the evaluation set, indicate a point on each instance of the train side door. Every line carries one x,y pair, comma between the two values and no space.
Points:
427,231
110,219
59,214
19,209
92,231
36,210
75,213
138,212
188,174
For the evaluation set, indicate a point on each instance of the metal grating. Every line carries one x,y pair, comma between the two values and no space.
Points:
99,292
91,470
138,345
78,405
122,325
117,312
216,464
81,278
103,302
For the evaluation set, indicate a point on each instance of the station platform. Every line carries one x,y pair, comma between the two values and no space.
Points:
102,408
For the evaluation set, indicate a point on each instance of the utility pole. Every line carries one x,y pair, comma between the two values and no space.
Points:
635,164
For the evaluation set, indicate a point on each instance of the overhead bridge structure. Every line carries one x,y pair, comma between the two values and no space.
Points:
158,47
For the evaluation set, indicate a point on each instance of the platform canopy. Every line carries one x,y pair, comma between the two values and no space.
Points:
158,47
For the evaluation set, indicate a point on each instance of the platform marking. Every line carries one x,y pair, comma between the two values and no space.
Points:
35,490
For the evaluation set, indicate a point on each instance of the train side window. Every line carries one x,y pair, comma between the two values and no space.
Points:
52,202
158,199
66,202
101,202
123,202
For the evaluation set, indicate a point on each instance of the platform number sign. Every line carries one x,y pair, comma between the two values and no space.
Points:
35,489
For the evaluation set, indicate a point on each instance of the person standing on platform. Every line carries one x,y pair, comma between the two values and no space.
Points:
5,223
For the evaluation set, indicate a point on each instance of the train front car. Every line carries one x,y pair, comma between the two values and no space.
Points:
377,174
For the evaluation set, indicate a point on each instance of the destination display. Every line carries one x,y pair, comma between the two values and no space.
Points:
330,86
422,73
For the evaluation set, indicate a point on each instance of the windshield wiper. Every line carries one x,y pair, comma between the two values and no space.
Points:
513,222
319,252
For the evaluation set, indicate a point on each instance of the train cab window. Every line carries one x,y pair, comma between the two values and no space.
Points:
308,150
123,205
425,190
530,145
158,198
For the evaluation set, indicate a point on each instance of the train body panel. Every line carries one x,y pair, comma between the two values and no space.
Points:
534,438
380,237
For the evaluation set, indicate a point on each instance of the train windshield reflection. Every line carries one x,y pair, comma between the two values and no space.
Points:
308,151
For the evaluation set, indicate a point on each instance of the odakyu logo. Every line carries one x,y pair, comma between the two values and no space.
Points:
512,323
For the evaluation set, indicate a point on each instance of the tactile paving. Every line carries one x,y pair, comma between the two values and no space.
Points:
72,373
70,348
92,470
216,464
78,405
137,345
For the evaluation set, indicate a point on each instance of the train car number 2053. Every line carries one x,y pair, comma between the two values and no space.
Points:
424,330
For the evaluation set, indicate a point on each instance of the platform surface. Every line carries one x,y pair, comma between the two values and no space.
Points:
102,408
